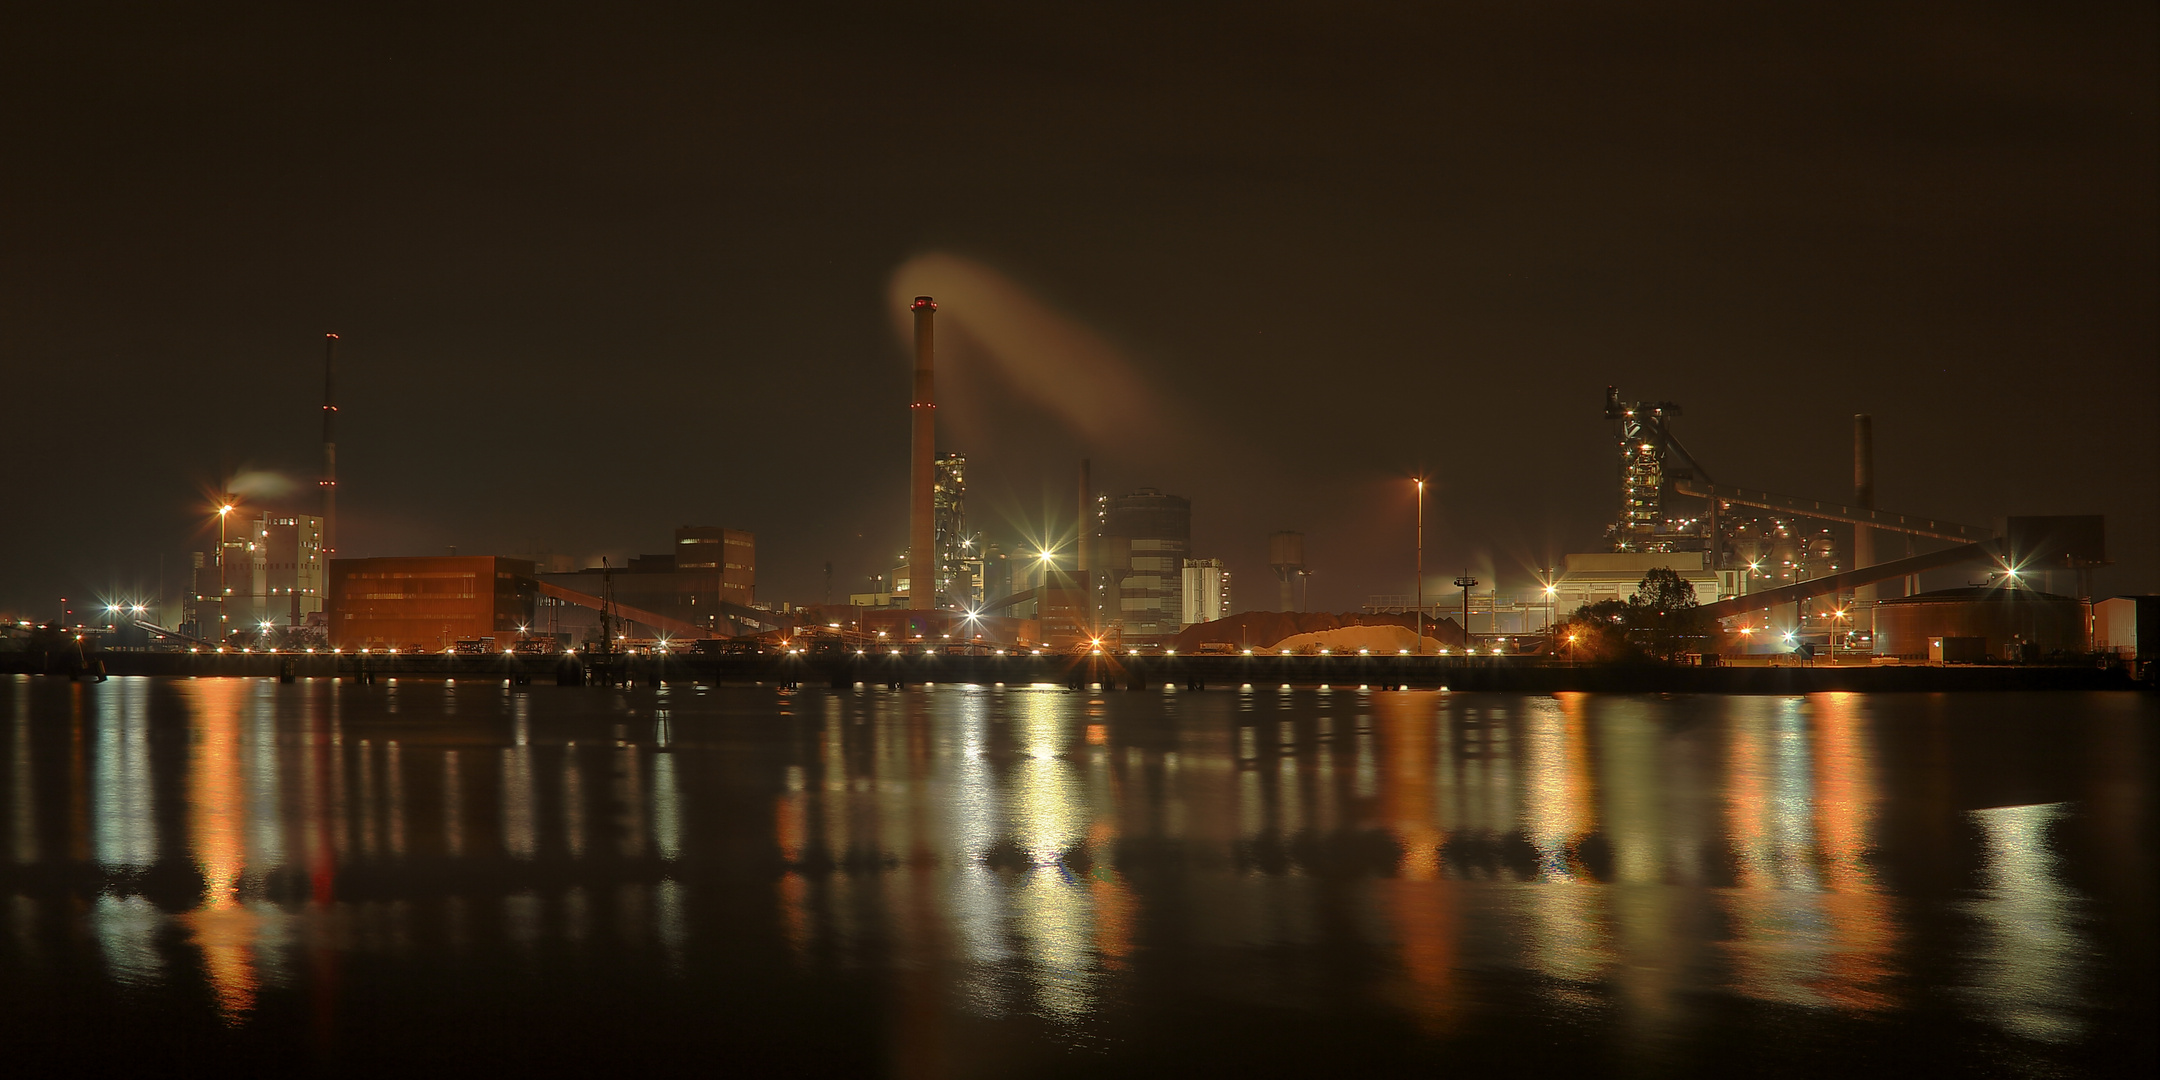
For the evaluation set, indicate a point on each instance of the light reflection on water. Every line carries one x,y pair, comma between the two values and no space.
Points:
2029,954
1028,851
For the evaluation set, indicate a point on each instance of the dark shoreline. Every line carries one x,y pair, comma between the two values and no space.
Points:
1127,673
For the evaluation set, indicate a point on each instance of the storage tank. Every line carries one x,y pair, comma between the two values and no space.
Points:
2003,617
1286,556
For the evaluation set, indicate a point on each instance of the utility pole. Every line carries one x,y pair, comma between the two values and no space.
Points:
222,588
1466,583
1421,566
1551,574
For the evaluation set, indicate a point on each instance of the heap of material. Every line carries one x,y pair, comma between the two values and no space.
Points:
1378,640
1267,629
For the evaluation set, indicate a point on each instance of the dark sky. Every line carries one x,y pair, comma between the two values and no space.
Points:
601,271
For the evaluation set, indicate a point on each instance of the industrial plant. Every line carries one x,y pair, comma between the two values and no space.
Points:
1771,577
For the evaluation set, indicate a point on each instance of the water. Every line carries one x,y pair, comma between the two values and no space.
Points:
975,881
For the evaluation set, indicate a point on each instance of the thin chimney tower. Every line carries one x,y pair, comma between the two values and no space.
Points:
1087,512
329,451
1081,564
1864,495
922,467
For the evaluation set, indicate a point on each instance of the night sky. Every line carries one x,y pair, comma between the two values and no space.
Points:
601,271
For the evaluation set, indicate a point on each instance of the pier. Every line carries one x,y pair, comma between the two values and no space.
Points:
1114,673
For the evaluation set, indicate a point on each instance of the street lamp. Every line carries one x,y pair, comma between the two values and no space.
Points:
223,512
1421,566
1550,593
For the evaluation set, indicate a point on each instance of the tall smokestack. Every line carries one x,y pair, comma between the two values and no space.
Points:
922,466
1088,599
1863,472
329,451
1080,544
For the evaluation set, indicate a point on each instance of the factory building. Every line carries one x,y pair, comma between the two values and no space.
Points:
289,567
2127,627
1207,591
1598,576
1137,561
427,604
1994,621
710,570
269,569
728,554
997,574
1061,609
959,556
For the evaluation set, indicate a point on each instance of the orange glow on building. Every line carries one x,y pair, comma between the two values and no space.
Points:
427,604
223,928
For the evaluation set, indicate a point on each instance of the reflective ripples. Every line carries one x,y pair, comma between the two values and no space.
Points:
1631,876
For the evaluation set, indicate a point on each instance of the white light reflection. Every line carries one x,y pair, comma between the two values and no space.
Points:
521,920
517,799
630,796
2028,955
669,922
573,795
791,826
453,807
1053,912
1646,920
394,793
367,798
976,811
24,812
1569,936
127,931
124,819
266,819
666,807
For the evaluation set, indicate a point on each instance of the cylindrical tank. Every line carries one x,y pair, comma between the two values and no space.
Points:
1286,556
1286,551
2001,617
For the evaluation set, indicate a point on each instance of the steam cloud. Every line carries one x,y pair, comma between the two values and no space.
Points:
1046,356
261,484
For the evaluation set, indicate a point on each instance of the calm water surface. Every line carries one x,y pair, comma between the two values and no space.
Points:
980,881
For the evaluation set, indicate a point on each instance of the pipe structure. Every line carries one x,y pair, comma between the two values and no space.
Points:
329,452
1881,520
1986,551
922,465
1863,543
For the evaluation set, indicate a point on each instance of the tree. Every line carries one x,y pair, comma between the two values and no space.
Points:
1599,632
1664,609
1662,618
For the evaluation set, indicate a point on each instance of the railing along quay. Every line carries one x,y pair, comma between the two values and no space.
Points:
1516,674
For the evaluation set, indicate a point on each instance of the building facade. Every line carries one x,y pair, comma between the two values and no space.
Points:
1593,577
729,555
267,572
289,568
711,570
1999,622
959,555
1207,591
427,604
1138,561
